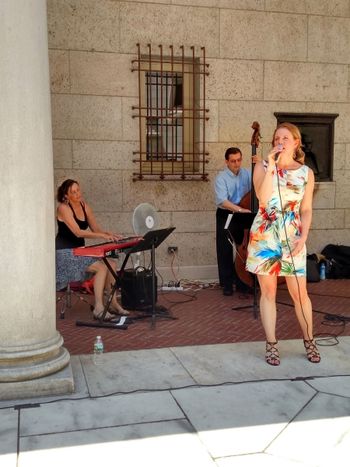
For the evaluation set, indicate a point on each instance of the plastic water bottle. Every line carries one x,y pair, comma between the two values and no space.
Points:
322,271
98,350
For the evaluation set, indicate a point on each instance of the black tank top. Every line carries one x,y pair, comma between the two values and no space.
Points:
65,238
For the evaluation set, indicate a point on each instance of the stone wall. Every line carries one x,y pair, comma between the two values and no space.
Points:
265,56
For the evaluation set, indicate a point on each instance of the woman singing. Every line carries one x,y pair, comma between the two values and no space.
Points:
284,187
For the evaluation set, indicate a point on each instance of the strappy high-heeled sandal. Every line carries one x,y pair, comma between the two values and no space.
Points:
312,353
108,317
272,355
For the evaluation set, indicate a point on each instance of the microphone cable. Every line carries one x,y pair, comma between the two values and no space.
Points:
290,250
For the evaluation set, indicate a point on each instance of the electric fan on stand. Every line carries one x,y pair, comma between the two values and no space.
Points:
144,219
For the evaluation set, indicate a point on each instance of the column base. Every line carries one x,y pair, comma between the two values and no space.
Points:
33,361
59,383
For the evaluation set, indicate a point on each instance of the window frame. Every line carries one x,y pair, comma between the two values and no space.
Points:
190,163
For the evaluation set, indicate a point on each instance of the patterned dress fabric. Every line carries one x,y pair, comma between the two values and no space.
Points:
277,225
70,268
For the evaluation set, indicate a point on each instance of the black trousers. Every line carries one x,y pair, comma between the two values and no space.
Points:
224,251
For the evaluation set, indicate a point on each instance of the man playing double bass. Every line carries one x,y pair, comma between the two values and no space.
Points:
231,185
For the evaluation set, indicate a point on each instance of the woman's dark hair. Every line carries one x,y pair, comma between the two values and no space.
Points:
62,190
230,151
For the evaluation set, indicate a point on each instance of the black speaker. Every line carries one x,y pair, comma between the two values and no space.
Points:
136,289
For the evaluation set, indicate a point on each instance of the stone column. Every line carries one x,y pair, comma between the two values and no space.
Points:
30,346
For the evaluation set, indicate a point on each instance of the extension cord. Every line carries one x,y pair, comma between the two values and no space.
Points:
166,287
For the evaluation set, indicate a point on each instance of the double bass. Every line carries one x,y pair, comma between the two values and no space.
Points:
249,201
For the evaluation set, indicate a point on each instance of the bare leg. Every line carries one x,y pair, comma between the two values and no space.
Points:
303,310
108,286
268,312
100,271
302,304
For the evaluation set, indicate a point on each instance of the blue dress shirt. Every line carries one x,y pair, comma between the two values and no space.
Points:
231,187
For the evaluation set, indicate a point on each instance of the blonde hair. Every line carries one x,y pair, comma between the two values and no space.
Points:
294,130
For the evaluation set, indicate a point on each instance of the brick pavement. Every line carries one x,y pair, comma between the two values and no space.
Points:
205,316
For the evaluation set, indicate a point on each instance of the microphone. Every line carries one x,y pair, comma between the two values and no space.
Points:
279,147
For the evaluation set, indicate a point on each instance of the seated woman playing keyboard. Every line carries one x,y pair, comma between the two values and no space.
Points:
76,222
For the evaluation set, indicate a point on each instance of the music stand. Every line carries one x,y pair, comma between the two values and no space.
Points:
244,220
151,240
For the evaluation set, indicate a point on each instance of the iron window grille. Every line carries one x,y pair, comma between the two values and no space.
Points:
172,114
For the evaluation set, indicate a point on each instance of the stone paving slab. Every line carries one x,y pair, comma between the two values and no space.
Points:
215,364
243,418
246,413
8,437
338,385
170,444
69,416
319,435
134,370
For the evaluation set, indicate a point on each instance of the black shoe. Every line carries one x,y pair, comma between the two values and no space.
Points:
227,292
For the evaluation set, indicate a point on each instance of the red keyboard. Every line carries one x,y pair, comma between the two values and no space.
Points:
102,250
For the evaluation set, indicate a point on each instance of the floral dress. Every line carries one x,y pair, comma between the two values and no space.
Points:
275,227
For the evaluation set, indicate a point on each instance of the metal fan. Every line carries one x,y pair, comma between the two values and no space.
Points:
144,219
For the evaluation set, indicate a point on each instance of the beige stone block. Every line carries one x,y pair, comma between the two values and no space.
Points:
342,191
102,74
197,221
208,3
194,249
109,155
328,219
216,157
254,35
168,195
328,39
339,162
236,118
59,71
118,222
347,222
102,189
178,25
297,6
235,79
242,4
83,24
311,7
130,123
305,81
347,157
86,117
318,239
324,195
212,125
62,154
151,1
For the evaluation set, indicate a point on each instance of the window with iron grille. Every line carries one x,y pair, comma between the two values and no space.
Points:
172,115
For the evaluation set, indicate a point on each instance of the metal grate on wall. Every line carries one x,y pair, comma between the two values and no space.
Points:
171,112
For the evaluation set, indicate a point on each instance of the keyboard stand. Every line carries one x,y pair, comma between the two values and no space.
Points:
150,241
